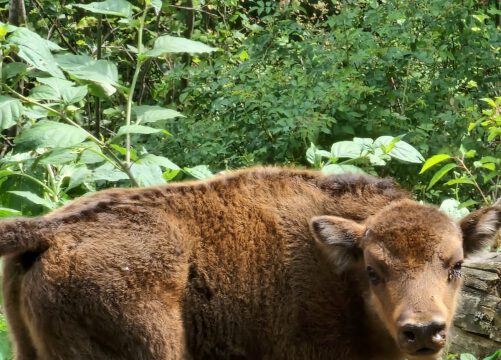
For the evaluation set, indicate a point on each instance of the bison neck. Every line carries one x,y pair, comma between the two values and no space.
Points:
334,313
257,286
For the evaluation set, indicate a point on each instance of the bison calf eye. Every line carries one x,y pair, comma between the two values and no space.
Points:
373,276
455,271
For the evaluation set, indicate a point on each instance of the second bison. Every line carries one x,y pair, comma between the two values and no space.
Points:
261,264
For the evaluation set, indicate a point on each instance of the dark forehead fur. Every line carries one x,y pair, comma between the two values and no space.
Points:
354,183
411,231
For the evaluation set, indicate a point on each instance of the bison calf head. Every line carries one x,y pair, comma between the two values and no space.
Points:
408,258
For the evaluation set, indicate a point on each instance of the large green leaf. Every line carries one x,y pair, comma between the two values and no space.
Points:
13,69
57,90
467,356
51,134
99,72
109,173
137,129
90,153
434,160
5,345
58,156
120,8
152,113
147,174
346,149
35,51
494,356
34,198
400,149
10,111
6,212
171,45
199,172
157,5
162,161
341,169
44,92
441,173
77,174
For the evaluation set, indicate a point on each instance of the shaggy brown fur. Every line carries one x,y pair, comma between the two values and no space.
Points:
260,264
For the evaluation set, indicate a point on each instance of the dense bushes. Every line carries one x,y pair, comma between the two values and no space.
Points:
372,68
287,74
288,80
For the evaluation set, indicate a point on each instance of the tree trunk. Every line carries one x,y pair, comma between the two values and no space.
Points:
477,325
17,13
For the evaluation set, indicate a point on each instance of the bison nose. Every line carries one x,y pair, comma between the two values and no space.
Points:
422,339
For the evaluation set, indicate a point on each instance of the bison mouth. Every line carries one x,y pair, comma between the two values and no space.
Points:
425,351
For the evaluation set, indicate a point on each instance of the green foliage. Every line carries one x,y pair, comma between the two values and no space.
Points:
117,93
295,74
5,347
361,153
466,356
472,172
57,147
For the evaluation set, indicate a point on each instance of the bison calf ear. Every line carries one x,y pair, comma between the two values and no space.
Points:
339,239
479,228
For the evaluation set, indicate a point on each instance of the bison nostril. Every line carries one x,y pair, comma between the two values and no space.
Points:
439,336
409,336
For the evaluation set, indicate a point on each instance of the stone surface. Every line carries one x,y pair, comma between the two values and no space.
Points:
477,325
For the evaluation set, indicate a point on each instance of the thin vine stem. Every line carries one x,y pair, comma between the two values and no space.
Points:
49,190
139,63
475,183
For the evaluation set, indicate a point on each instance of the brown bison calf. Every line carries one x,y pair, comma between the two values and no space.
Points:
260,264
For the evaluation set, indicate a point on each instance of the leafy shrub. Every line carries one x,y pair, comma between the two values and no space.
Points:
362,154
474,171
368,69
54,149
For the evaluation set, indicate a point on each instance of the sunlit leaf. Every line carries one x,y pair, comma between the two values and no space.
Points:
147,174
157,5
434,160
441,173
6,212
120,8
162,161
400,149
108,173
346,149
490,102
199,172
35,51
341,169
102,73
52,134
10,111
58,156
137,129
151,113
461,180
170,45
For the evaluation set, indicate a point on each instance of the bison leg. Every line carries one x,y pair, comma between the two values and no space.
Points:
20,336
